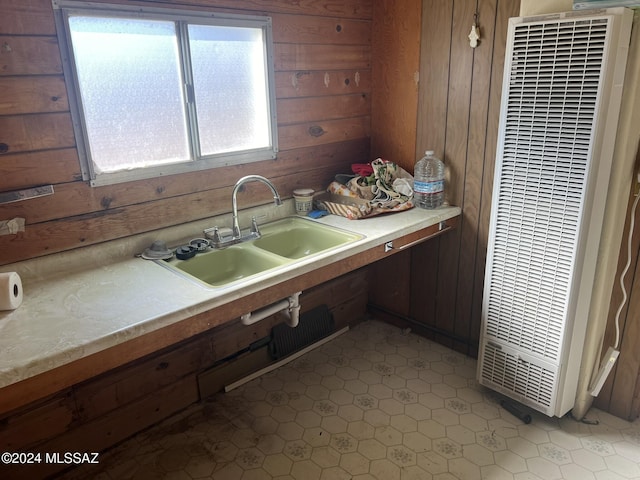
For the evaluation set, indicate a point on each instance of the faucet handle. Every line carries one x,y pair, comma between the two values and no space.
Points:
212,233
254,226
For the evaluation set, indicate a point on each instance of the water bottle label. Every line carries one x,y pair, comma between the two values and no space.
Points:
428,187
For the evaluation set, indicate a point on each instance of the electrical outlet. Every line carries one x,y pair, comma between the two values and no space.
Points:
636,188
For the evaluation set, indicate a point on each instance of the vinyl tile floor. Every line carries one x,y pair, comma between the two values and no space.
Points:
376,403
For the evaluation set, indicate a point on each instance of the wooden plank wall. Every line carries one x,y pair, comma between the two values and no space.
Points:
323,84
458,118
620,394
395,69
457,112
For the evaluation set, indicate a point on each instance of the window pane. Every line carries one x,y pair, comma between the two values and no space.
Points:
131,91
230,83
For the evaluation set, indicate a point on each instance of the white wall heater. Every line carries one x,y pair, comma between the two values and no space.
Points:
559,113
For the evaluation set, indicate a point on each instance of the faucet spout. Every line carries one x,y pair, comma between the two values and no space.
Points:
234,198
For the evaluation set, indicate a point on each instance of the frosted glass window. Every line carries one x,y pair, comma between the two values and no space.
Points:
229,71
158,91
131,88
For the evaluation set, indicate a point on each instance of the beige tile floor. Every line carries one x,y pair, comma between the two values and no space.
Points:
374,403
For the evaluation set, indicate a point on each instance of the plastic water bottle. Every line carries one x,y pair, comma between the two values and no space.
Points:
428,181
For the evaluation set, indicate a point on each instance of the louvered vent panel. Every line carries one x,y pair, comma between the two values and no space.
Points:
509,372
561,96
552,95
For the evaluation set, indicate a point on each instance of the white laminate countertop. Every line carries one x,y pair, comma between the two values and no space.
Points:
82,302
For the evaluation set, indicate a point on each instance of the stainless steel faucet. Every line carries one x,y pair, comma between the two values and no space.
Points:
234,199
217,240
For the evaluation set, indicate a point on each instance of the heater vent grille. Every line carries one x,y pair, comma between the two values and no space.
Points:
508,371
552,97
561,98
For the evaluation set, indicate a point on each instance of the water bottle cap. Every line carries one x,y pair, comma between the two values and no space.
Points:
428,153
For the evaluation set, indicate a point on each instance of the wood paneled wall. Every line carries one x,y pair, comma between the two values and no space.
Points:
395,79
323,84
458,114
457,109
620,394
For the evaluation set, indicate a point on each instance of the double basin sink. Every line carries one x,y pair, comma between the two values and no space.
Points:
283,242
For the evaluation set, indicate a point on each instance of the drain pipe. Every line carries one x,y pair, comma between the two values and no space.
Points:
290,307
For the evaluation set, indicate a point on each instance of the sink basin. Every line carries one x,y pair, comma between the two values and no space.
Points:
219,267
296,238
283,242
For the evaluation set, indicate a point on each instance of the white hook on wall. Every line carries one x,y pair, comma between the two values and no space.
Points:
474,35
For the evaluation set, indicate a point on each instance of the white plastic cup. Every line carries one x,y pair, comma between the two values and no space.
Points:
304,200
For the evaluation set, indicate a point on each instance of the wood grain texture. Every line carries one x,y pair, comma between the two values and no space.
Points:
619,395
324,131
27,17
332,8
307,83
322,57
459,106
33,95
324,108
505,9
289,56
78,198
396,60
39,168
434,76
28,133
29,55
473,174
116,222
319,30
456,160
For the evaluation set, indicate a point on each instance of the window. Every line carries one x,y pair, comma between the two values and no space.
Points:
158,91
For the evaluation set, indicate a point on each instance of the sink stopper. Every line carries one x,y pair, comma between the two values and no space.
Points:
157,251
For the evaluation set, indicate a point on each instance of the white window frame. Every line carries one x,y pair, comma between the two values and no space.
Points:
64,8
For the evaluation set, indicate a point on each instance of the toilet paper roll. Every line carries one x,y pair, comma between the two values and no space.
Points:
10,291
